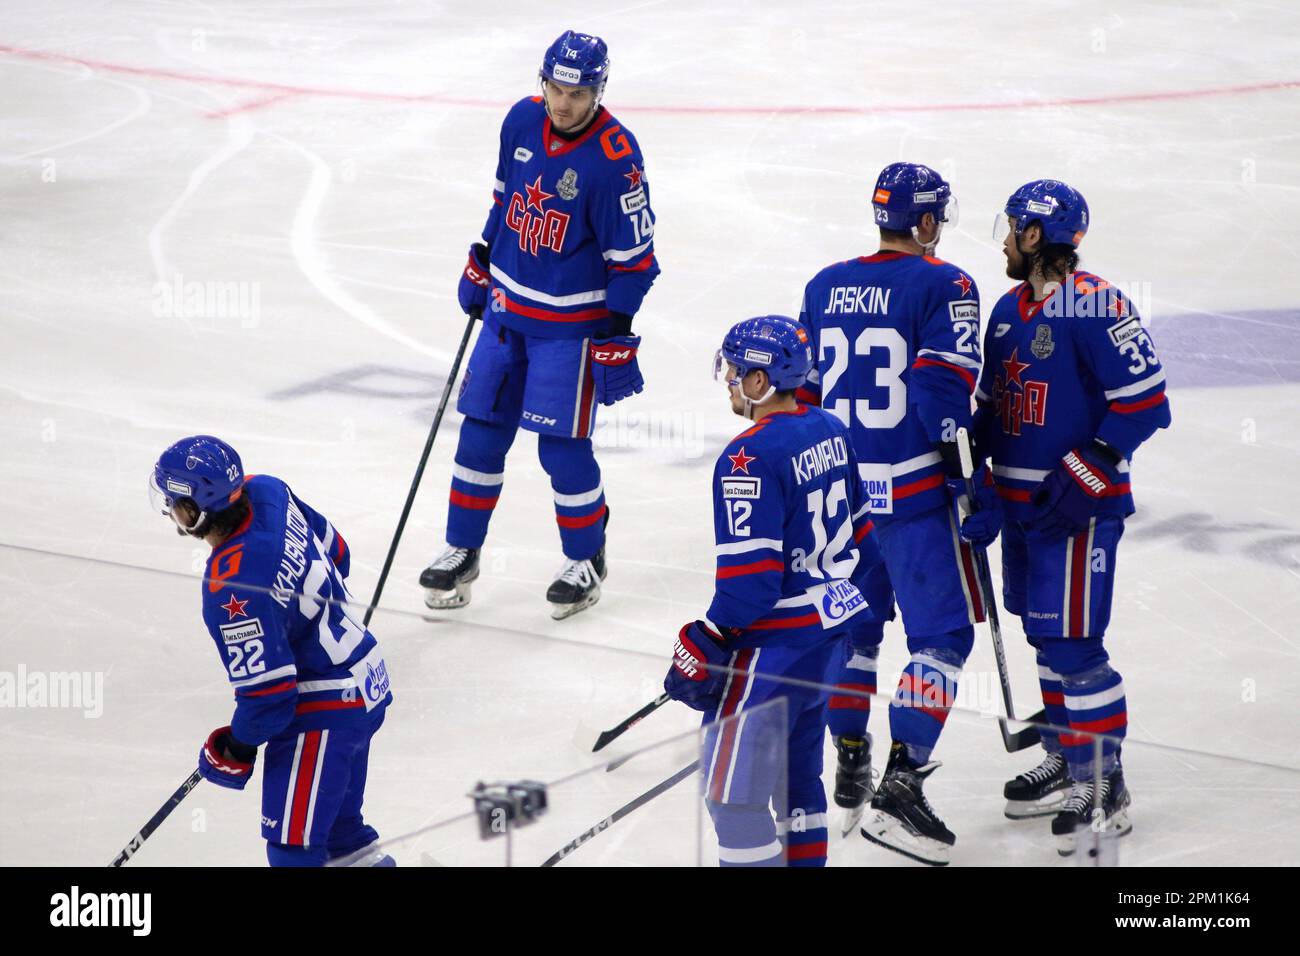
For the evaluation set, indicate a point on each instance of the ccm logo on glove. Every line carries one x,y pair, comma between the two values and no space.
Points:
607,355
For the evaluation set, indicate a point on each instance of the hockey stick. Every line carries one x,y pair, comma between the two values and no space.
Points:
156,820
475,315
620,813
616,731
1022,739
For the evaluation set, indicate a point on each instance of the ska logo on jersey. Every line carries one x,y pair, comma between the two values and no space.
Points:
542,228
740,461
1020,401
234,607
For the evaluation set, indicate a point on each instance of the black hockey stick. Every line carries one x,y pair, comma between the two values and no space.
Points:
156,820
475,315
621,812
608,735
1021,739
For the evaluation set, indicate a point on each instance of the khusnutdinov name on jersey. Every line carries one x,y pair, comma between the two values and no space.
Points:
819,458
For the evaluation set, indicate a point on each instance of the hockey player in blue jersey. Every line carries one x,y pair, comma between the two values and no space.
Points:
896,340
794,544
1071,386
309,680
566,257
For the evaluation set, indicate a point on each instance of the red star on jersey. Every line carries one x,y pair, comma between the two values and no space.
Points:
536,194
1119,307
1014,367
234,607
740,461
963,282
635,177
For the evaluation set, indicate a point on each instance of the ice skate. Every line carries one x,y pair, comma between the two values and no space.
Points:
446,581
577,586
1078,811
901,819
853,787
1039,792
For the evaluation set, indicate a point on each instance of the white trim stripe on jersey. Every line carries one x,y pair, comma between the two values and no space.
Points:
288,793
477,477
961,568
622,255
1092,701
1069,583
809,821
754,854
499,186
913,464
1046,673
982,395
517,287
1151,381
288,670
312,686
577,501
753,544
965,361
861,662
1020,474
1087,577
740,725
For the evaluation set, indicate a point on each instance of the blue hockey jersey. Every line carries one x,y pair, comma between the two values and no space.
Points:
296,656
571,230
896,343
1058,373
793,531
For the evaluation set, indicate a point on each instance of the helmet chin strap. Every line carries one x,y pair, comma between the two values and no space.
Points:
752,403
928,247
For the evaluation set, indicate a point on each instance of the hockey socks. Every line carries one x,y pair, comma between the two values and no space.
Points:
925,694
579,495
849,708
476,481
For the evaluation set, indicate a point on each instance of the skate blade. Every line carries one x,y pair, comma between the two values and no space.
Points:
447,600
884,830
1119,826
1045,806
849,821
560,611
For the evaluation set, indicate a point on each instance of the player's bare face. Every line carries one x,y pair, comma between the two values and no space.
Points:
569,106
1017,261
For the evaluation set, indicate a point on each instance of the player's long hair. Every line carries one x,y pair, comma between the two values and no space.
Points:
1056,258
225,521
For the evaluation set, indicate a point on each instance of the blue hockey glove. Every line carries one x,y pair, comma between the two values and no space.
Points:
614,370
690,679
225,761
984,522
1071,494
474,281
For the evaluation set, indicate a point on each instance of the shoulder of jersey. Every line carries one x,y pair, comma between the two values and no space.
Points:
528,109
1118,306
953,273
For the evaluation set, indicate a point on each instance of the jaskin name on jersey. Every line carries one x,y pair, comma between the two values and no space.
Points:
571,229
274,602
896,339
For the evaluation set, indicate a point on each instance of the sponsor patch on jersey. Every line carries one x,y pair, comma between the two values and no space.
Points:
567,186
880,486
1042,346
742,487
755,355
965,311
633,201
1125,329
1002,329
839,601
179,488
566,74
523,155
243,631
371,675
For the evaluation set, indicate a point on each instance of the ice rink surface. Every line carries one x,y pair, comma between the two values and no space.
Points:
326,164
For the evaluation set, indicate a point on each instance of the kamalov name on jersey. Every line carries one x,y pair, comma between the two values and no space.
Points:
819,458
848,299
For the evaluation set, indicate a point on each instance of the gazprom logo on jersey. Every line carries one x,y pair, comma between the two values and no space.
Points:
840,600
376,683
879,479
566,74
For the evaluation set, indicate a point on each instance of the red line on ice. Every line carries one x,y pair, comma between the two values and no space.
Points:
289,90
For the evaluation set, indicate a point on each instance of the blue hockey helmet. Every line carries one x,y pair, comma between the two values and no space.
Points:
774,343
907,191
577,59
1061,209
200,468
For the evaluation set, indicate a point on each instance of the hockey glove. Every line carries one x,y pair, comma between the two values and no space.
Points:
984,522
475,280
1071,494
690,679
614,371
225,761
